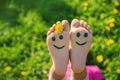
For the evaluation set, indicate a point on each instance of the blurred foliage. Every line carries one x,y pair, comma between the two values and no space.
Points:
23,28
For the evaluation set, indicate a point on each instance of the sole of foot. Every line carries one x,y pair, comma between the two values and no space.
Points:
81,39
58,45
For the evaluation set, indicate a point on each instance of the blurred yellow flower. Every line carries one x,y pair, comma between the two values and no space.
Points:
116,3
102,15
110,41
111,25
85,4
59,28
108,69
118,70
99,58
7,69
23,73
111,20
115,11
107,28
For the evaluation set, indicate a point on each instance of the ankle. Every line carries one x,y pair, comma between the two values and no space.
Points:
57,76
80,76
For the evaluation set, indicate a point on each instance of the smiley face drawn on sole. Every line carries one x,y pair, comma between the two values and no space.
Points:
57,47
80,44
78,35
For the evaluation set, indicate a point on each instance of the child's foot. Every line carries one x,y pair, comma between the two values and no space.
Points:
58,45
81,39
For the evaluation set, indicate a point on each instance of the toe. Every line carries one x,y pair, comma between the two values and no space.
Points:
75,23
89,29
66,25
82,23
85,25
48,33
52,29
57,22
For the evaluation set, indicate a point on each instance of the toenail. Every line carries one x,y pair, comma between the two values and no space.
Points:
78,34
61,37
85,34
53,38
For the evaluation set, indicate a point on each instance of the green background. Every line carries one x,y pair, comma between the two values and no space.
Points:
23,28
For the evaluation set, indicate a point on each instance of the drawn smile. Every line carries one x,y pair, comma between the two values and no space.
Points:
58,47
80,44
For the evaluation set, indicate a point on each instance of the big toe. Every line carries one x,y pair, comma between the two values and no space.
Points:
75,23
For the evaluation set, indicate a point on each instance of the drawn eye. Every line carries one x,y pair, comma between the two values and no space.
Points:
78,34
53,39
85,34
61,37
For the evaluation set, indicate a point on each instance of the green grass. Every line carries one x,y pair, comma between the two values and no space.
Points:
24,24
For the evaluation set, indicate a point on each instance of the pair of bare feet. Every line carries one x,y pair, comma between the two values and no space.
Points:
70,46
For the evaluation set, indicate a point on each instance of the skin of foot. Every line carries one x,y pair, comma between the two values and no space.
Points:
58,45
81,39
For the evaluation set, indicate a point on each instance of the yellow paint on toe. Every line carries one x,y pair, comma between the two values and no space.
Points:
59,28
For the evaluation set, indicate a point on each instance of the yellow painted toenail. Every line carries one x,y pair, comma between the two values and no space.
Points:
59,28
